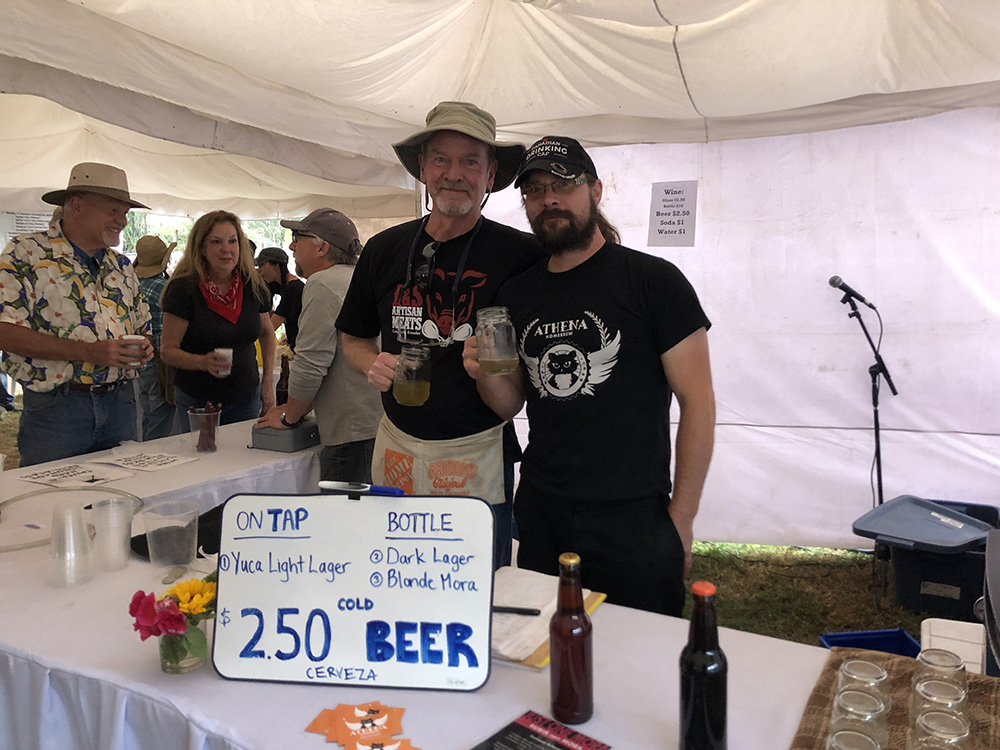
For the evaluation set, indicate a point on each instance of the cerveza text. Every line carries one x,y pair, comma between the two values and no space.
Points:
284,566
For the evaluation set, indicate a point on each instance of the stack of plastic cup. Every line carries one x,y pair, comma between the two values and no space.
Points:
937,702
113,521
70,556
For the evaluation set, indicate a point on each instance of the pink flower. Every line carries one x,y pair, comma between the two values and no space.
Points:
154,617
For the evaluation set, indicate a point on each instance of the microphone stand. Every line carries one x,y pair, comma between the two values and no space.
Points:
875,370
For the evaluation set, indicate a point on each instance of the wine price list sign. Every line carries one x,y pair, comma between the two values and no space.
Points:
371,591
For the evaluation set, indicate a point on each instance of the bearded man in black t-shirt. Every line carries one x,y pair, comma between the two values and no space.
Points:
607,337
423,283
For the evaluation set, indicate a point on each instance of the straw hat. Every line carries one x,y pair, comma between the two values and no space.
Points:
91,177
151,256
469,120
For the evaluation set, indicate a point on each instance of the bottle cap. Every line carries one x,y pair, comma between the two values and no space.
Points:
569,558
703,588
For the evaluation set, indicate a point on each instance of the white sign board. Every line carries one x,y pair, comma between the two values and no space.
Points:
377,591
672,214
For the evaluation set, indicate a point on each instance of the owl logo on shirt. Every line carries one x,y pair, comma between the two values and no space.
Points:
565,368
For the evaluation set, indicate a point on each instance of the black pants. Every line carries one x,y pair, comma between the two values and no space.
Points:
629,549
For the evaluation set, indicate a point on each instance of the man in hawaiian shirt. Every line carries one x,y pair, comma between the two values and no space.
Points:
66,302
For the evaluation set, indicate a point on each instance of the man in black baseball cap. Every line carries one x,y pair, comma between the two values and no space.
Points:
603,330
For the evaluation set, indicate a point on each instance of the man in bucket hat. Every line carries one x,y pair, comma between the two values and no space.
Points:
422,283
66,302
603,330
155,378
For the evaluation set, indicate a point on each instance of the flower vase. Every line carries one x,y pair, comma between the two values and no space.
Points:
180,654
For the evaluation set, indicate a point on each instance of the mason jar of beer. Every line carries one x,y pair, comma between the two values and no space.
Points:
412,383
495,339
571,648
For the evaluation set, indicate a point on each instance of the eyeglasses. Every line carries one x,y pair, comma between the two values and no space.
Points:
535,191
426,269
300,235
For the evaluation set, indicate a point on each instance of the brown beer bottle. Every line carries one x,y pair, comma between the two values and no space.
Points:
703,676
571,648
281,387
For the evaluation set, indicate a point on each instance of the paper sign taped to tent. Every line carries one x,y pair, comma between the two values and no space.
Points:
672,214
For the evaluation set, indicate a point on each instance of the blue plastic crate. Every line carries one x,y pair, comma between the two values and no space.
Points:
896,641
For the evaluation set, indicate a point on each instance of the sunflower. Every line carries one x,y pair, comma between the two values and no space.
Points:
194,596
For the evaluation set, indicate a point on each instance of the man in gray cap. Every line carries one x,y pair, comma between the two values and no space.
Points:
422,283
326,247
272,264
66,302
607,337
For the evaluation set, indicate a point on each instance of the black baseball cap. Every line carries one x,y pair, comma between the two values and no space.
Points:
557,155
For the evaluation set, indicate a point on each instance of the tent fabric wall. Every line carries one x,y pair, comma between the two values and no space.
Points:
325,86
906,213
273,109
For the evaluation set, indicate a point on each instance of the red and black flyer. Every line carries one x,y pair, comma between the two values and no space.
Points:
533,731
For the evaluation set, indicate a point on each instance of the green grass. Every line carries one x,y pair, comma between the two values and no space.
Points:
796,593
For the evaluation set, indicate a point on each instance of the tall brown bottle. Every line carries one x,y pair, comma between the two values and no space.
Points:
281,387
571,648
703,676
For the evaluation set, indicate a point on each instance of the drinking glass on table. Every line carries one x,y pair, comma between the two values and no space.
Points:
935,694
858,674
849,739
861,712
939,730
939,663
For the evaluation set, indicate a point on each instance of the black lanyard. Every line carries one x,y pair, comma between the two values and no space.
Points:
463,259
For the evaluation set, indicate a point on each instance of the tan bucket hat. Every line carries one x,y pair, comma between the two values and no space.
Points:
152,256
469,120
92,177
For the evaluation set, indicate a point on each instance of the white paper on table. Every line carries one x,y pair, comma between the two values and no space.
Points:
516,637
147,461
76,475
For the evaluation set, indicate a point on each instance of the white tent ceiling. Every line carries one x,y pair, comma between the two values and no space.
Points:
321,88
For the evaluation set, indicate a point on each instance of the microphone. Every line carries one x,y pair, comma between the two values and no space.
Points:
838,283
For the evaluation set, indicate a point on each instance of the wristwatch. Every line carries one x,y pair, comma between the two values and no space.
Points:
291,424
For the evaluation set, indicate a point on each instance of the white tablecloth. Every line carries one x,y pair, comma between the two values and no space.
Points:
73,674
210,479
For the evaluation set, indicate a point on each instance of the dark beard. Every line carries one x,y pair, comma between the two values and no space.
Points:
572,236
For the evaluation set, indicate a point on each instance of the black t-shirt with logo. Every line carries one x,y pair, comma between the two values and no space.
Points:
377,304
598,401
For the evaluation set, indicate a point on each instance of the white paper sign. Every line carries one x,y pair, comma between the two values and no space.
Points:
377,591
672,214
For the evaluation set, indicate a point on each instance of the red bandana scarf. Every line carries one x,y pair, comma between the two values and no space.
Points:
227,305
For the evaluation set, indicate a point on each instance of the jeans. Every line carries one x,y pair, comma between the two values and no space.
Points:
63,423
157,415
232,411
348,462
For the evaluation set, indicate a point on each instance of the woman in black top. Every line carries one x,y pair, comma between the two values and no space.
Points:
216,300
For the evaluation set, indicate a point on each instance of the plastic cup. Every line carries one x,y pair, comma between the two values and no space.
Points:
70,557
204,425
172,535
228,354
113,522
137,347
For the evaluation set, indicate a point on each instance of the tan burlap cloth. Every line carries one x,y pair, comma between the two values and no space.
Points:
983,711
